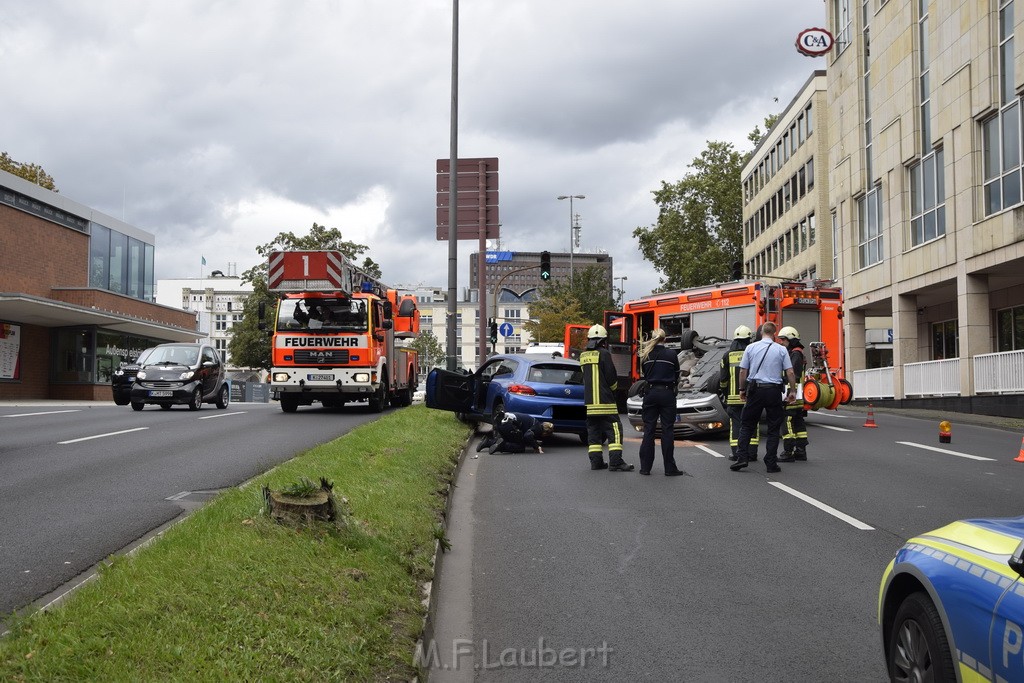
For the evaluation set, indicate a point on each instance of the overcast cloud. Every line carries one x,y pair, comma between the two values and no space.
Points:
217,124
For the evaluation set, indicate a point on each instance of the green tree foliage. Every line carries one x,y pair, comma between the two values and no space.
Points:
429,349
699,232
756,136
33,173
580,302
249,346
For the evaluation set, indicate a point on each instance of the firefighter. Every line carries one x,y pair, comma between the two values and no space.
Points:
729,389
794,429
600,381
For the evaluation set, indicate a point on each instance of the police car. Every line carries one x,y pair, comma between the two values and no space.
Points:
951,604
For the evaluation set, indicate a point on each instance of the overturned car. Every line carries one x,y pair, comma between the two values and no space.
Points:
699,409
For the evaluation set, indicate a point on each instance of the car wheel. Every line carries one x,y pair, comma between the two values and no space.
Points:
223,397
687,338
197,400
289,404
918,648
499,407
138,406
165,406
121,401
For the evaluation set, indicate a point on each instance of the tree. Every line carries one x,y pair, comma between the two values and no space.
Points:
33,173
249,346
756,136
556,308
699,232
429,349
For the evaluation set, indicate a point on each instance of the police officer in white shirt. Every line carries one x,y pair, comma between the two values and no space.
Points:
763,365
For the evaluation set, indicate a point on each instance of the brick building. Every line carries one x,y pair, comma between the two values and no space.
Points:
76,296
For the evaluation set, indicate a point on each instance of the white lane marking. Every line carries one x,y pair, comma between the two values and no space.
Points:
179,496
710,450
834,429
947,452
100,436
210,417
48,412
831,414
852,521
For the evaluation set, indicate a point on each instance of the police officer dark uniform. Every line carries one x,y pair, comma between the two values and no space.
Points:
794,429
761,371
729,390
599,384
660,366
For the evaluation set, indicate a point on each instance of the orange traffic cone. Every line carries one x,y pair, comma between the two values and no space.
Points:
870,422
1020,456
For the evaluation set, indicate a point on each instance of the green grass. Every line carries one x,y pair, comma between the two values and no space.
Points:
229,595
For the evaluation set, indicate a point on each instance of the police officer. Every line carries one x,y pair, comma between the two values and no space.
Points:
761,371
794,429
729,390
660,366
599,384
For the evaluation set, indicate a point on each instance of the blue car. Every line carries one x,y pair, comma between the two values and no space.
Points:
550,389
951,604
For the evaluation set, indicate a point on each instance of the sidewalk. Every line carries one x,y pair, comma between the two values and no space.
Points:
1009,423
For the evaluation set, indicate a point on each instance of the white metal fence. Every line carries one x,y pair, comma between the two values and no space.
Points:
994,373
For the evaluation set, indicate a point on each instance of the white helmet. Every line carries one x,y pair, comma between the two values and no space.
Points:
788,333
597,332
742,332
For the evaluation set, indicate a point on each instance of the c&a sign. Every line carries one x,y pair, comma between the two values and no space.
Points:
814,42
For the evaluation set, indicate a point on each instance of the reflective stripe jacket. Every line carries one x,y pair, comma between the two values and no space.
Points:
599,382
730,377
796,357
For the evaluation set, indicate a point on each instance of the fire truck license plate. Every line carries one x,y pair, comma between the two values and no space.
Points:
320,378
159,393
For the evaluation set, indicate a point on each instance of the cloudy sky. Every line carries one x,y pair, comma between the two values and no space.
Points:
216,124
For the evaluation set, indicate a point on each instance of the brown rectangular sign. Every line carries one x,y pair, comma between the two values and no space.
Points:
469,165
476,180
468,199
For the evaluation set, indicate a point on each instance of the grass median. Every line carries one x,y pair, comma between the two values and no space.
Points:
228,594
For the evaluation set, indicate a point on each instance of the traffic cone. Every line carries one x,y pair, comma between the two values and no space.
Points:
870,422
1020,456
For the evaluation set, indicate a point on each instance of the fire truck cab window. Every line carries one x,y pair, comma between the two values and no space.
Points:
345,315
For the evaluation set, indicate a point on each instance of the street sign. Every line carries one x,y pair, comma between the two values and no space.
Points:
505,329
476,198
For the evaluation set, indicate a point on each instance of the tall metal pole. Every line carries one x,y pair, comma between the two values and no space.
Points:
453,243
572,227
481,262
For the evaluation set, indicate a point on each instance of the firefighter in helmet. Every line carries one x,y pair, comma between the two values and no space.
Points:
794,436
729,388
600,380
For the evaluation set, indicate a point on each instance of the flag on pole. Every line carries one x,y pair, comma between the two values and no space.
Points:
204,260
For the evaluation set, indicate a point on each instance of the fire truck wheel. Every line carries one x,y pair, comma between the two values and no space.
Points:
403,397
289,404
379,401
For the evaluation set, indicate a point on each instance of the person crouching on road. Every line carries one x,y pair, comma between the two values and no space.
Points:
600,381
515,433
660,366
761,372
729,390
794,429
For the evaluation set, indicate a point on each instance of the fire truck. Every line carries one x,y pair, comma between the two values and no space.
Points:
339,335
814,308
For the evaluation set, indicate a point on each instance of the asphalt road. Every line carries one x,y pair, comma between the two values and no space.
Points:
80,482
718,576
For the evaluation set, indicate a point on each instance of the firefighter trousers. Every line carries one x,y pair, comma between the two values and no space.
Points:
601,429
794,429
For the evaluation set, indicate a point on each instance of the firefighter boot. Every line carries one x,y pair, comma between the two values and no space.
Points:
597,462
800,453
787,455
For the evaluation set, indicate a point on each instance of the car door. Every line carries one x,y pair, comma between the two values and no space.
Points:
208,372
453,391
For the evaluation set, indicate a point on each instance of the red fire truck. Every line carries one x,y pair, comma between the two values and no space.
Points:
814,308
339,335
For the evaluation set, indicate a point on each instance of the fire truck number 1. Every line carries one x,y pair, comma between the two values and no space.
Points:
305,265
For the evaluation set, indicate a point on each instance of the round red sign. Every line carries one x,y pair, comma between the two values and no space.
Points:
814,42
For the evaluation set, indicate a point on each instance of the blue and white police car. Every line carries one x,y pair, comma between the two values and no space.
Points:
951,604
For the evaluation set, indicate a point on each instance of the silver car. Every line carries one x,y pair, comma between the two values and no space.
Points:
699,410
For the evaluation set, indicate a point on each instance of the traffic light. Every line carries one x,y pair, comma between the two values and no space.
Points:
545,265
737,270
494,331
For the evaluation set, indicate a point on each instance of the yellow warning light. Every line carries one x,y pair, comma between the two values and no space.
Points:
945,431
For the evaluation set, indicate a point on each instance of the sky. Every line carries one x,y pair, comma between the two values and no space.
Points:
217,124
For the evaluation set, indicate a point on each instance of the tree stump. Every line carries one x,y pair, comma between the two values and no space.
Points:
317,506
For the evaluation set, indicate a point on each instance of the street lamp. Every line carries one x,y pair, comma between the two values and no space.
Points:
622,289
572,226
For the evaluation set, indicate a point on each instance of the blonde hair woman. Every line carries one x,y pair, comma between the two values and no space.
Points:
660,367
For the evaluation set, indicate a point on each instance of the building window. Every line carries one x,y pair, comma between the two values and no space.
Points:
1001,139
945,340
927,199
841,12
835,246
220,322
99,256
924,62
1010,329
869,242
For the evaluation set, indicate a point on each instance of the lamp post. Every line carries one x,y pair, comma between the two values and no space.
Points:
572,226
622,289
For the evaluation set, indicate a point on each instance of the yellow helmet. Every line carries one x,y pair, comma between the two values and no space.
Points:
742,332
788,333
597,332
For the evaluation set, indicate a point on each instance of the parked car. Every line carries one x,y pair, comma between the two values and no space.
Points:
550,389
699,409
122,379
951,604
185,374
